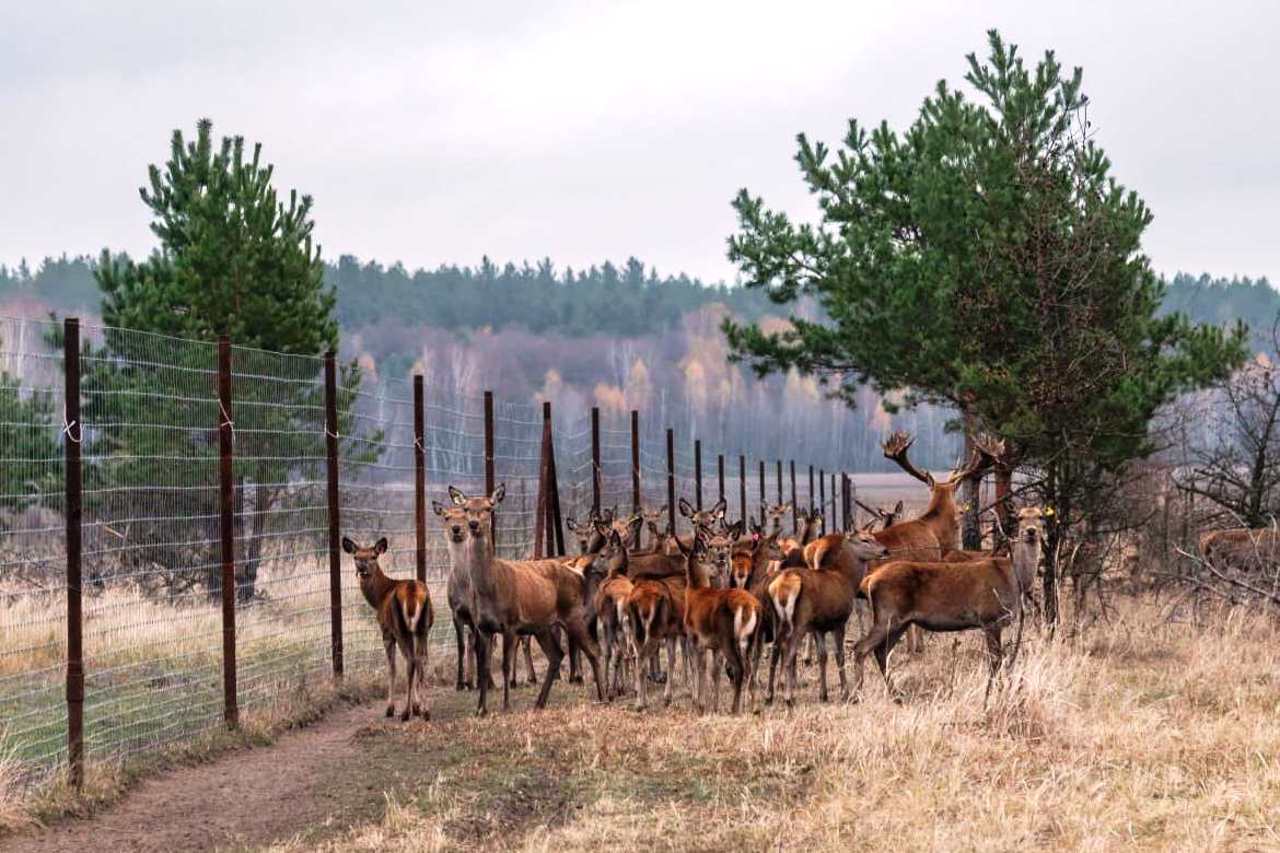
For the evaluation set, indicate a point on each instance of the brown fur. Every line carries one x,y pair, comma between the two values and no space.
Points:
405,616
1240,548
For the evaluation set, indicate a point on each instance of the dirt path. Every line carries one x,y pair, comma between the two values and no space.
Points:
306,780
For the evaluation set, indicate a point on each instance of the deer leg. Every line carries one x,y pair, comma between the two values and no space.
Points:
579,633
423,655
460,644
820,642
791,650
528,660
482,644
839,652
669,688
411,676
717,667
808,649
871,641
390,648
551,648
995,657
775,657
509,654
882,651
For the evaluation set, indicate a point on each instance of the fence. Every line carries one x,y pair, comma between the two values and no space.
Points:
171,511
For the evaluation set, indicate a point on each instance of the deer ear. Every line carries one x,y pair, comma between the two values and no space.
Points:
686,509
437,508
380,547
348,545
720,507
498,494
456,495
735,529
898,507
571,524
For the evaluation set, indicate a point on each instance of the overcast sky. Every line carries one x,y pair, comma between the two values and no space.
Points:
586,131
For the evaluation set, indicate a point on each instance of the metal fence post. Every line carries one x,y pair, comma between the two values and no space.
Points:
822,494
72,434
834,499
553,486
335,512
542,513
635,461
420,473
671,479
226,500
763,499
813,494
595,459
720,474
697,472
778,477
795,507
742,487
489,484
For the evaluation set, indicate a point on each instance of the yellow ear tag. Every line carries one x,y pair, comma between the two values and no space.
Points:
1048,510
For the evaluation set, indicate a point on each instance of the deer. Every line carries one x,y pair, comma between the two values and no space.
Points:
985,595
886,517
658,532
655,610
812,521
753,565
1240,548
817,602
721,623
611,611
521,597
405,615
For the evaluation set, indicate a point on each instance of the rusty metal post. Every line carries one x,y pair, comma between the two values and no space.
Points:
72,434
671,479
595,459
553,488
822,493
763,499
813,494
795,507
778,478
720,473
335,512
542,521
489,482
742,488
226,500
635,461
697,472
420,474
834,496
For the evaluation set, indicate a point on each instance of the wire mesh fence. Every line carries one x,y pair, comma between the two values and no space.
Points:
158,494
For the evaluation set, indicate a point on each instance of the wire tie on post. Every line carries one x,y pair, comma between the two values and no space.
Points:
226,419
331,434
69,426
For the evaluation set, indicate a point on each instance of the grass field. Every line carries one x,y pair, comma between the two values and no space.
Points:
1141,734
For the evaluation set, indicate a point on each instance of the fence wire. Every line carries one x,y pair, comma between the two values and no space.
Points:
151,527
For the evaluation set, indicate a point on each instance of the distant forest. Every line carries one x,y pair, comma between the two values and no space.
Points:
628,300
616,337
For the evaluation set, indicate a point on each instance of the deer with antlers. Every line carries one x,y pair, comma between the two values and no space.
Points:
405,615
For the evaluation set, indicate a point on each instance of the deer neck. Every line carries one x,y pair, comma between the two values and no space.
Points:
695,576
480,564
1025,556
376,588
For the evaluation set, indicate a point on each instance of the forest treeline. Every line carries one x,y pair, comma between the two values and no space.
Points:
630,300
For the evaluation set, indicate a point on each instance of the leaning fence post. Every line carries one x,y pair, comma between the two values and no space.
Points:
635,461
742,487
671,479
541,527
553,485
335,509
226,500
72,434
420,473
489,484
697,472
595,459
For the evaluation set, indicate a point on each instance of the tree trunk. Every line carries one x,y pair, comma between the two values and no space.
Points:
971,529
1004,506
1052,541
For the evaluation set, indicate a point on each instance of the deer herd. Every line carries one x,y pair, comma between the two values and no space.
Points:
716,599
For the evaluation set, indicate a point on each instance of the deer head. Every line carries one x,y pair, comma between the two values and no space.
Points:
476,512
987,450
886,517
366,559
712,519
719,548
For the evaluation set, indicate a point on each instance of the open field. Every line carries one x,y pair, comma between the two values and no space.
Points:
1145,732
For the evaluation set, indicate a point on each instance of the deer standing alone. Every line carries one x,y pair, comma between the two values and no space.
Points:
405,615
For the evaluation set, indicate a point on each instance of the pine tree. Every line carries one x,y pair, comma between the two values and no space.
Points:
985,258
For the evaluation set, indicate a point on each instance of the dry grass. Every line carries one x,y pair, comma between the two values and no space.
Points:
1141,734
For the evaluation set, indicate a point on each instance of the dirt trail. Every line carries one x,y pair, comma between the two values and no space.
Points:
307,780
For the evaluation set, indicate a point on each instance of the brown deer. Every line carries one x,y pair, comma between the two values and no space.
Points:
984,594
458,595
719,622
886,517
655,612
519,597
405,615
816,603
812,521
1241,548
655,521
611,611
754,564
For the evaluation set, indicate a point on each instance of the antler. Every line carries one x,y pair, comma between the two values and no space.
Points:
896,447
874,510
987,451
